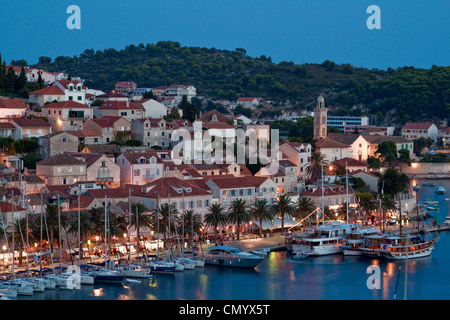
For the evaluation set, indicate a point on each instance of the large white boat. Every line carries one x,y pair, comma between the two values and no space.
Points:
323,240
354,241
134,271
407,247
227,256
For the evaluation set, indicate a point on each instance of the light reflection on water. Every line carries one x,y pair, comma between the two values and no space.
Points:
279,277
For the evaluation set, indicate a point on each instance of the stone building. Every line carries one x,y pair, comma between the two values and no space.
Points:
61,169
57,143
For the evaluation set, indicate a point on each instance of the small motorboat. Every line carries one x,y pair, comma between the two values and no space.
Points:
227,256
440,190
416,188
133,280
428,201
300,255
430,184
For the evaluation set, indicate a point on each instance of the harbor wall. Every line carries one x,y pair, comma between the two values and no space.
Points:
426,170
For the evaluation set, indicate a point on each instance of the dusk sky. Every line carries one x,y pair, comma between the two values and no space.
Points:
413,33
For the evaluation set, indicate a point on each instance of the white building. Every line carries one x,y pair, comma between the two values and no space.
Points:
425,130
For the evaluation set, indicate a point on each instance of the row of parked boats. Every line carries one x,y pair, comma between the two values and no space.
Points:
23,283
334,237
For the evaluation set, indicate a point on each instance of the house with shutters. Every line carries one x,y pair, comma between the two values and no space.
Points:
108,127
415,130
61,169
125,109
139,168
68,115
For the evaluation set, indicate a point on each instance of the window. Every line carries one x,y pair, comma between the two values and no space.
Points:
79,88
206,203
137,172
157,172
71,88
103,163
199,204
64,140
123,114
64,181
80,98
70,98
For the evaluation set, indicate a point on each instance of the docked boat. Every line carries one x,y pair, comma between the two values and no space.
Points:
23,288
354,241
416,188
440,190
406,247
325,239
447,221
429,184
429,201
227,256
178,266
156,267
107,277
10,293
186,262
434,208
134,271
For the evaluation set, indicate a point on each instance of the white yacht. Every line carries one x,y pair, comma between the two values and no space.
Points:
323,240
227,256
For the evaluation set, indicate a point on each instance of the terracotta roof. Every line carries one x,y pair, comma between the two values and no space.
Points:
220,116
88,158
246,99
327,143
52,90
6,125
169,186
9,207
125,83
417,125
346,138
65,83
23,122
119,105
109,193
350,162
332,190
65,105
60,159
353,173
102,148
377,139
218,125
234,182
445,130
85,201
84,133
112,95
12,104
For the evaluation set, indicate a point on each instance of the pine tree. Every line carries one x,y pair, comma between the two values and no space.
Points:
10,80
40,81
21,81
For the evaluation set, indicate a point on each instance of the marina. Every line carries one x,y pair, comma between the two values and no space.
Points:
279,274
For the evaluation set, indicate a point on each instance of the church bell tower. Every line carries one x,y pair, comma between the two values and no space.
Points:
320,119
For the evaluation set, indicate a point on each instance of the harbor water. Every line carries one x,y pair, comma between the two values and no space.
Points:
279,277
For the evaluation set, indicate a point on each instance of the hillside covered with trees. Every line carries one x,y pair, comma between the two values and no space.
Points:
394,96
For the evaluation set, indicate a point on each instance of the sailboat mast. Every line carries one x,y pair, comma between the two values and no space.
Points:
79,232
59,236
346,188
40,260
129,224
106,235
323,200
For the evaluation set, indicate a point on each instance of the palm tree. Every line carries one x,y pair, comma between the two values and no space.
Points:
262,212
367,202
51,218
314,168
342,211
192,224
215,217
162,224
304,207
20,231
238,214
86,226
284,208
139,219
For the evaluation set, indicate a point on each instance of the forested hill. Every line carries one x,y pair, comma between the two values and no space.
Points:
414,94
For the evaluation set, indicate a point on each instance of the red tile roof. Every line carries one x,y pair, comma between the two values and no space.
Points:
9,207
52,90
109,193
12,104
166,187
23,122
327,143
66,105
119,105
417,125
350,163
246,99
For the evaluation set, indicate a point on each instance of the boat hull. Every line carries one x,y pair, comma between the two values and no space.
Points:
234,262
317,250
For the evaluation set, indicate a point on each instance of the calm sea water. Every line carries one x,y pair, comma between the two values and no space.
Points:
279,277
